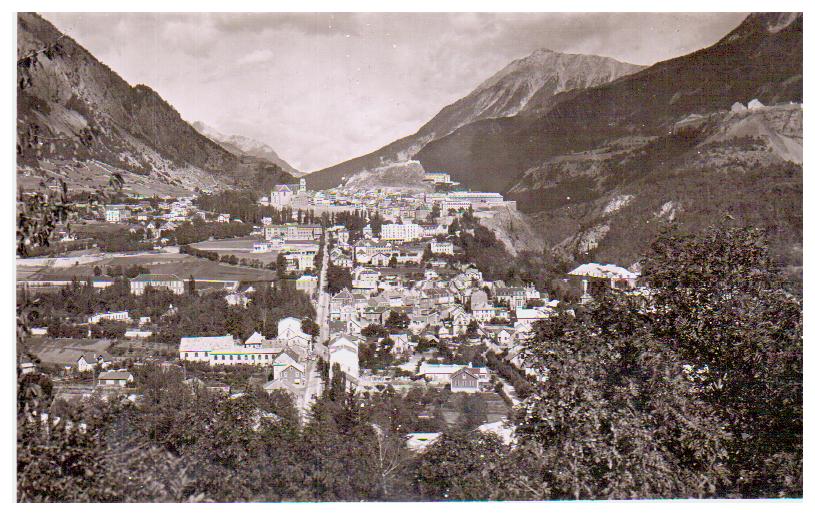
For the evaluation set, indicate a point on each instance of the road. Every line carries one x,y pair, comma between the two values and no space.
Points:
323,299
314,388
314,383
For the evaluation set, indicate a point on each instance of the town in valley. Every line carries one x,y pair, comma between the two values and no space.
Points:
582,280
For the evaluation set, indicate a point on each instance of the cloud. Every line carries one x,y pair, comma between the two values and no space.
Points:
322,88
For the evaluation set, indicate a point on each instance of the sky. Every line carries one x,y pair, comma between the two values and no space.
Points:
322,88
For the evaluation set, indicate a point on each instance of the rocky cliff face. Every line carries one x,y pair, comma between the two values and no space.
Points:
74,112
537,77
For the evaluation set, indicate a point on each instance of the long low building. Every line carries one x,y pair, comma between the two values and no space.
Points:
225,350
159,281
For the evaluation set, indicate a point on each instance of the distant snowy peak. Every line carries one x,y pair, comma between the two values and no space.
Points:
245,146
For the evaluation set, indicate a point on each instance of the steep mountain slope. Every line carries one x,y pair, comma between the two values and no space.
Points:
243,146
603,169
539,76
762,58
78,119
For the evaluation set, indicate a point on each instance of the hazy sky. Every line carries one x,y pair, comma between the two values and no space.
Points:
323,88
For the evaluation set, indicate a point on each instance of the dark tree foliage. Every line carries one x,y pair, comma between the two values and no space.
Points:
693,392
338,278
196,231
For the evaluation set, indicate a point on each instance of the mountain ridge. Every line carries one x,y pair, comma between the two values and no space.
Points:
543,73
661,140
79,120
243,145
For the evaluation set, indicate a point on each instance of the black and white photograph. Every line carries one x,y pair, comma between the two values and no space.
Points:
407,257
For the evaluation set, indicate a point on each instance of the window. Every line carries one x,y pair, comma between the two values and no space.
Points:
196,354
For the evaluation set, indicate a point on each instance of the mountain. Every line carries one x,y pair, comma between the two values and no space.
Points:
78,120
603,169
536,77
243,146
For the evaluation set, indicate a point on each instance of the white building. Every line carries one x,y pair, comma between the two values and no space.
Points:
441,247
122,316
115,213
281,196
224,350
345,352
613,276
115,378
442,372
402,232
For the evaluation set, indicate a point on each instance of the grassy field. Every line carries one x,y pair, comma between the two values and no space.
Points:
241,248
181,265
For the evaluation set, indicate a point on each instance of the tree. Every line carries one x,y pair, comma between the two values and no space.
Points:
397,320
338,278
458,466
393,262
280,262
454,227
724,309
693,391
374,331
311,327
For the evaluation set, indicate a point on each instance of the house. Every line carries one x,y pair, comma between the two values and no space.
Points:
84,364
294,390
306,283
365,279
115,213
532,314
287,356
293,231
460,323
292,372
255,340
480,306
441,247
465,380
290,333
366,249
341,305
511,297
102,282
223,218
375,315
119,378
401,344
158,281
344,351
381,259
438,372
594,275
